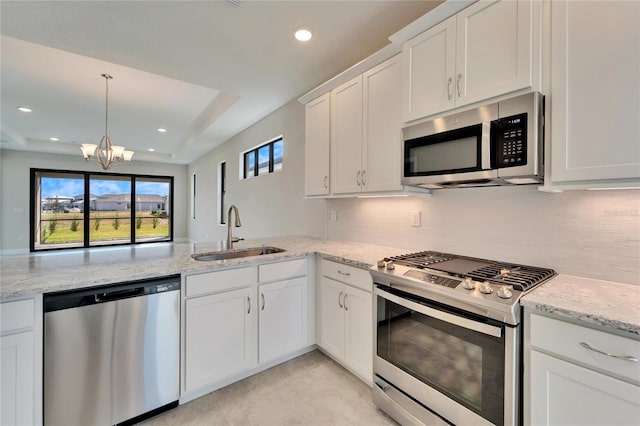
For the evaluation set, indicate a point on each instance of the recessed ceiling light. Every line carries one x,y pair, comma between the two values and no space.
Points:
24,109
151,149
161,130
54,139
303,34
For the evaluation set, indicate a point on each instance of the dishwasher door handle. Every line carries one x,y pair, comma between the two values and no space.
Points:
121,294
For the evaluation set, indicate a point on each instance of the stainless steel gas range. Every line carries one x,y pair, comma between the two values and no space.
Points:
447,338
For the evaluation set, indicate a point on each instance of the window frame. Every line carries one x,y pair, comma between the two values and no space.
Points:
244,156
86,176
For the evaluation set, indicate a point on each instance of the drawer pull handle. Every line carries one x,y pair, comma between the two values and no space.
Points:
622,357
346,274
339,299
248,305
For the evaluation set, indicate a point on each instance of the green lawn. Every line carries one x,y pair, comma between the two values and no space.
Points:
111,226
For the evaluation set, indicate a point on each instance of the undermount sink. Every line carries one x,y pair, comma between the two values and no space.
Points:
233,254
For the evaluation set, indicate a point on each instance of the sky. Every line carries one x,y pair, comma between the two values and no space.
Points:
71,187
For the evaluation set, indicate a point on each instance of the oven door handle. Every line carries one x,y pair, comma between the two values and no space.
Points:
441,315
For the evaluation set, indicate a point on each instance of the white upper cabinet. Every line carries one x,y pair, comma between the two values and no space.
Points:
595,93
382,119
482,52
365,131
317,135
346,137
429,65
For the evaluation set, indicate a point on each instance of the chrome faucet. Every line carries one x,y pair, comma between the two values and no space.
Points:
231,239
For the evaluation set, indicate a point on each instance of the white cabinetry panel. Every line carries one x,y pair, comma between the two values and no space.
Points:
595,91
567,394
220,336
483,52
317,139
283,318
346,137
17,379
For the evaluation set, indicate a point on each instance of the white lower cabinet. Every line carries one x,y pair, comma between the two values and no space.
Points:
239,321
21,362
220,336
573,378
568,394
346,312
282,318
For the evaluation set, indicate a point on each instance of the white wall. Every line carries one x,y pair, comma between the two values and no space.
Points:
14,171
588,233
269,205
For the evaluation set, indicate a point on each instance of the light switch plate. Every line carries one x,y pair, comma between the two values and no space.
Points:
415,217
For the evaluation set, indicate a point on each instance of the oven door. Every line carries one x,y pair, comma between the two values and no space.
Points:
462,368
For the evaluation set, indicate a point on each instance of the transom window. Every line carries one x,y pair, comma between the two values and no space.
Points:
81,209
264,159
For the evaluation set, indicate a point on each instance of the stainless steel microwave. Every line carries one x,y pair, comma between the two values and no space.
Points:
501,143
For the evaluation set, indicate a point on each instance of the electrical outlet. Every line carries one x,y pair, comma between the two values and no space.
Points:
333,215
415,217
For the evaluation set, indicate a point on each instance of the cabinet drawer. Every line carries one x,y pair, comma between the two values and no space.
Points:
356,277
282,270
16,315
214,282
565,339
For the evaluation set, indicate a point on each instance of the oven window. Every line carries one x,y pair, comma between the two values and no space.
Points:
465,365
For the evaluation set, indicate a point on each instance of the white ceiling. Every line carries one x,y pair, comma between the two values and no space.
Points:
204,70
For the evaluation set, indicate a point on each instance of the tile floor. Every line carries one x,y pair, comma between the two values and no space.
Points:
309,390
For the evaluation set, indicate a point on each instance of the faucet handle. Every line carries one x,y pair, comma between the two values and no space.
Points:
236,239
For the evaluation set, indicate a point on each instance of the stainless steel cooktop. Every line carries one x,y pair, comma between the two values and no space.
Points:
486,287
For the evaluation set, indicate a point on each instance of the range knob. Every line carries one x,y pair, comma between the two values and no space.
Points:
485,288
468,284
381,264
391,266
505,292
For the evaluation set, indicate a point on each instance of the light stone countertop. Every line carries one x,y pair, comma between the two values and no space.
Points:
44,272
602,303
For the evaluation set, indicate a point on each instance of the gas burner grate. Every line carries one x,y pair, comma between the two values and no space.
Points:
521,277
421,259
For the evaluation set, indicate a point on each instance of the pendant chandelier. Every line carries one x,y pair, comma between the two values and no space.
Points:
106,153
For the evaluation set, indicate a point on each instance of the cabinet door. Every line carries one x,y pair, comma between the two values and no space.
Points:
428,68
358,356
16,379
382,135
346,137
566,394
332,322
493,49
283,318
317,142
595,88
220,336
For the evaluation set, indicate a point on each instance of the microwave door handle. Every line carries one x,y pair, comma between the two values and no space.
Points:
486,145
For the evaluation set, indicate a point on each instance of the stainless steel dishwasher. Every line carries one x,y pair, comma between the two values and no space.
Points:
111,354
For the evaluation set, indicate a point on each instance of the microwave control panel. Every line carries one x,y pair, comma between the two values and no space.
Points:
509,141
